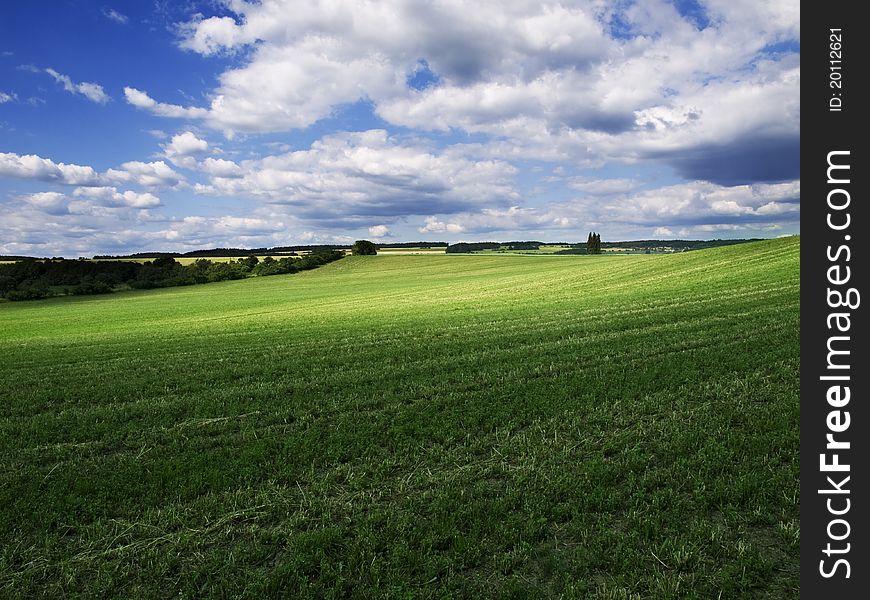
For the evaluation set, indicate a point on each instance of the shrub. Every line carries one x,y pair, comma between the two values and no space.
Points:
363,248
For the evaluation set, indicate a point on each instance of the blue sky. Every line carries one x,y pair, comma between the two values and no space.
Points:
142,125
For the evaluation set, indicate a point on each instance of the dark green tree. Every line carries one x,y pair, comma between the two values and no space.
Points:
249,262
593,243
363,248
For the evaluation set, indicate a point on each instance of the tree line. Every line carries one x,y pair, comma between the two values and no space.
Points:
31,279
273,251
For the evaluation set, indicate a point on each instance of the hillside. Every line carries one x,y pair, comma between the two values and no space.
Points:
412,425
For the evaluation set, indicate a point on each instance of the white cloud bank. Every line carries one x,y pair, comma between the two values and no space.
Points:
349,178
31,166
683,209
546,80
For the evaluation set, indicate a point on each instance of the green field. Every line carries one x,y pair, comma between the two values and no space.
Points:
543,249
429,426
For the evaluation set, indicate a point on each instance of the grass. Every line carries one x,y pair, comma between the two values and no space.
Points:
543,249
411,426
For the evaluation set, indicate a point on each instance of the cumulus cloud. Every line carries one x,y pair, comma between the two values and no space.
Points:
31,166
183,148
433,225
218,167
110,196
639,90
151,174
667,232
88,200
185,144
683,208
86,222
91,91
353,177
546,80
379,231
209,232
140,99
104,220
603,187
324,237
50,202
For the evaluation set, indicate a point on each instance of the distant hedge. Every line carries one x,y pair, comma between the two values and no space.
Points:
31,279
465,247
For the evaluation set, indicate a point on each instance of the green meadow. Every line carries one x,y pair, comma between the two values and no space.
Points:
411,426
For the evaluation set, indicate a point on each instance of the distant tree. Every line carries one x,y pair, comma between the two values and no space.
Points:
167,263
267,266
249,262
593,243
523,245
288,264
467,247
363,248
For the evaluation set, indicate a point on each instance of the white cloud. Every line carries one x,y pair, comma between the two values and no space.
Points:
182,148
114,15
323,237
699,202
4,97
218,167
30,166
669,233
91,91
205,232
603,187
537,81
105,220
210,36
718,227
50,202
683,208
379,231
547,79
184,144
57,203
433,225
354,176
110,196
152,174
88,228
142,100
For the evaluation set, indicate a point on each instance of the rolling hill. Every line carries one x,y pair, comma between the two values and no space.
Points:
413,426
